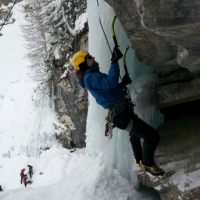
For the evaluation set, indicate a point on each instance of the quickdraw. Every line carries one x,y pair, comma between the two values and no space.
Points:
108,130
109,125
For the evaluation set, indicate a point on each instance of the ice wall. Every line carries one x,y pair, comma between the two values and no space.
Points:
117,152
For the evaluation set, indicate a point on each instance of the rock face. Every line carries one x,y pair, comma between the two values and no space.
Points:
179,87
163,31
6,2
176,86
4,9
179,154
165,34
71,100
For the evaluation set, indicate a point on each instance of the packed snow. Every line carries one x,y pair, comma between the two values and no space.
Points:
59,174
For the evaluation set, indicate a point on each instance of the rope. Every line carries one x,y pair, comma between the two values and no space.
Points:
103,29
8,15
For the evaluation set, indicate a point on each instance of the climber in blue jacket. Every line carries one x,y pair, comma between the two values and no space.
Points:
109,93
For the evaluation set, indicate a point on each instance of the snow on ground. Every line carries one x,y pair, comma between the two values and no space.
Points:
65,176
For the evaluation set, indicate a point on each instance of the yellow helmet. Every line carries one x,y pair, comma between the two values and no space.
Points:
78,58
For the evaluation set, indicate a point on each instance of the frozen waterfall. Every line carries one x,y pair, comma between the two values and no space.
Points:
117,152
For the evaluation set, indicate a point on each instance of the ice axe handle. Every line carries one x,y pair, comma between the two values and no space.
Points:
126,70
115,41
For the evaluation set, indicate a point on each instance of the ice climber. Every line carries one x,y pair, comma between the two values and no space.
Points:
22,174
30,170
25,179
110,95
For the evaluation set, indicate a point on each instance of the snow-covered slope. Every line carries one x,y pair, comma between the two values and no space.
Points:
65,176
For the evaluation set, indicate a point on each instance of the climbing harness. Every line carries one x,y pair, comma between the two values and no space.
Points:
7,17
112,111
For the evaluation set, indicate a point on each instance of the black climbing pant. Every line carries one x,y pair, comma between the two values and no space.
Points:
140,130
151,139
30,174
22,179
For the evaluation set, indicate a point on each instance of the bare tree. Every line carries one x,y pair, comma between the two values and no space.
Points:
49,32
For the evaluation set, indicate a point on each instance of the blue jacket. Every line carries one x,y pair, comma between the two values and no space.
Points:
104,87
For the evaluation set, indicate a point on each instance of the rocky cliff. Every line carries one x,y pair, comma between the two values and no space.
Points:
71,100
6,2
4,9
179,154
165,34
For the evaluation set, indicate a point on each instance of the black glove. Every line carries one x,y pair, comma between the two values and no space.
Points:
116,55
126,80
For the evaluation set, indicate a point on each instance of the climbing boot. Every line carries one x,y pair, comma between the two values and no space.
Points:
154,170
138,166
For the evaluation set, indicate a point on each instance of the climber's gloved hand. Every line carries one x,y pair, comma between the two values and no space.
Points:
116,54
126,80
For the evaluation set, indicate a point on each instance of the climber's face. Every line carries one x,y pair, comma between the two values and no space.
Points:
90,60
